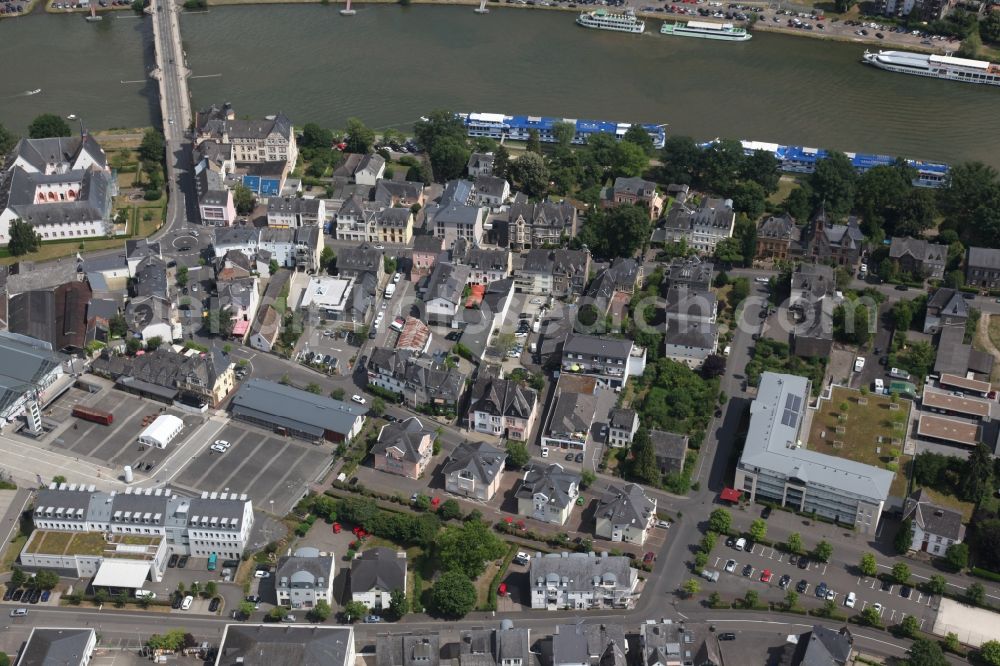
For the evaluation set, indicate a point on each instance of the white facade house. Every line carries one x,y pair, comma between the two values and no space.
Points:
611,361
625,514
622,426
162,431
776,466
581,581
548,493
304,578
935,528
376,574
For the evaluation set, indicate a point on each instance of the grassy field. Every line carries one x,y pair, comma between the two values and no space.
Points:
863,426
13,549
785,186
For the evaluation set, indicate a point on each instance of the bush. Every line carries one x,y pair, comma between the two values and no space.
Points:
152,195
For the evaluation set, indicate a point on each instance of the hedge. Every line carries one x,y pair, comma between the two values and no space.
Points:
984,573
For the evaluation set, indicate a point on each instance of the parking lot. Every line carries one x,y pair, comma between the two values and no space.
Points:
115,444
895,606
273,470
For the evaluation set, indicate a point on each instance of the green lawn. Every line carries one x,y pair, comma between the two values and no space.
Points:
13,550
785,186
862,428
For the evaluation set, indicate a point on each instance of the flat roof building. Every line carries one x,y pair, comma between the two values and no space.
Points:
296,412
951,431
946,403
775,465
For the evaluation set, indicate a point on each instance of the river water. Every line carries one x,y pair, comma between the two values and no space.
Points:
388,65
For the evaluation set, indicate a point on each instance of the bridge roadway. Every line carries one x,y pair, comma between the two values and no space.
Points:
175,110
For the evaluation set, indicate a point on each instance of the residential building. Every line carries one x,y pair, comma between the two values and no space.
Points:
935,527
502,407
150,278
375,574
778,238
670,450
547,493
239,239
945,307
265,329
812,302
491,191
169,376
57,316
304,578
581,581
820,647
927,10
622,426
445,290
982,268
294,212
426,250
299,248
138,250
415,337
398,194
240,299
571,418
215,522
612,288
394,225
346,302
612,361
152,317
480,164
63,187
691,272
419,381
775,466
829,242
216,205
456,215
474,470
539,225
485,264
690,333
355,220
556,273
403,448
278,645
58,647
506,646
353,262
422,649
633,192
271,139
660,642
370,170
589,645
625,514
31,377
700,228
296,412
919,258
954,357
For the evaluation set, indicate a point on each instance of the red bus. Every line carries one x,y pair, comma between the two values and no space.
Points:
95,415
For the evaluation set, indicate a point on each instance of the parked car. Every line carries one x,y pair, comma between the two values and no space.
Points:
766,576
521,558
373,619
172,562
19,612
802,586
748,570
803,563
766,513
821,590
730,566
182,562
213,606
649,557
741,544
727,636
358,399
186,604
710,575
261,574
850,600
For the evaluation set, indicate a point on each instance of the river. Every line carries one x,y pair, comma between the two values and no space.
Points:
388,65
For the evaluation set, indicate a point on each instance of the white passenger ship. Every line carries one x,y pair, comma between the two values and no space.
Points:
601,19
936,66
706,30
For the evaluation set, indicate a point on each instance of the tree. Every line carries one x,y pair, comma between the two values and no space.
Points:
901,573
720,521
152,147
453,595
925,652
314,388
172,641
909,626
243,199
976,594
467,548
750,198
644,466
534,143
977,481
587,478
758,529
45,579
619,232
762,167
728,252
714,599
23,238
18,577
48,125
714,366
327,258
957,556
871,617
904,537
823,551
679,158
951,642
279,612
182,276
320,612
505,342
314,136
989,652
937,584
338,393
436,126
971,46
450,510
628,160
7,140
517,454
791,599
449,156
399,605
721,164
868,565
691,587
354,610
751,598
358,137
901,315
970,192
563,133
636,134
799,203
833,183
154,343
501,162
246,609
529,171
378,406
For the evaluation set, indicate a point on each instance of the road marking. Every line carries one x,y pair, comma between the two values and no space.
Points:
860,578
920,595
717,561
922,620
873,583
824,570
863,605
893,616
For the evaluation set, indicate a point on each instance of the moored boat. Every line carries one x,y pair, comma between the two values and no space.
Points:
602,19
935,66
706,30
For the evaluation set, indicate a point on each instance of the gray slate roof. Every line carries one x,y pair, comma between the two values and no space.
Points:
281,404
933,519
597,345
408,650
502,397
573,413
378,569
622,419
306,569
276,645
56,647
983,257
578,570
479,459
447,282
552,481
691,333
948,302
668,445
626,505
404,436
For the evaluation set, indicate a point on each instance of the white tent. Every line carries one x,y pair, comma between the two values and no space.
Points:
160,432
122,573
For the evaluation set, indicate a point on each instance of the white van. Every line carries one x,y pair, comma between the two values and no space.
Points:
186,604
145,594
390,289
711,575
